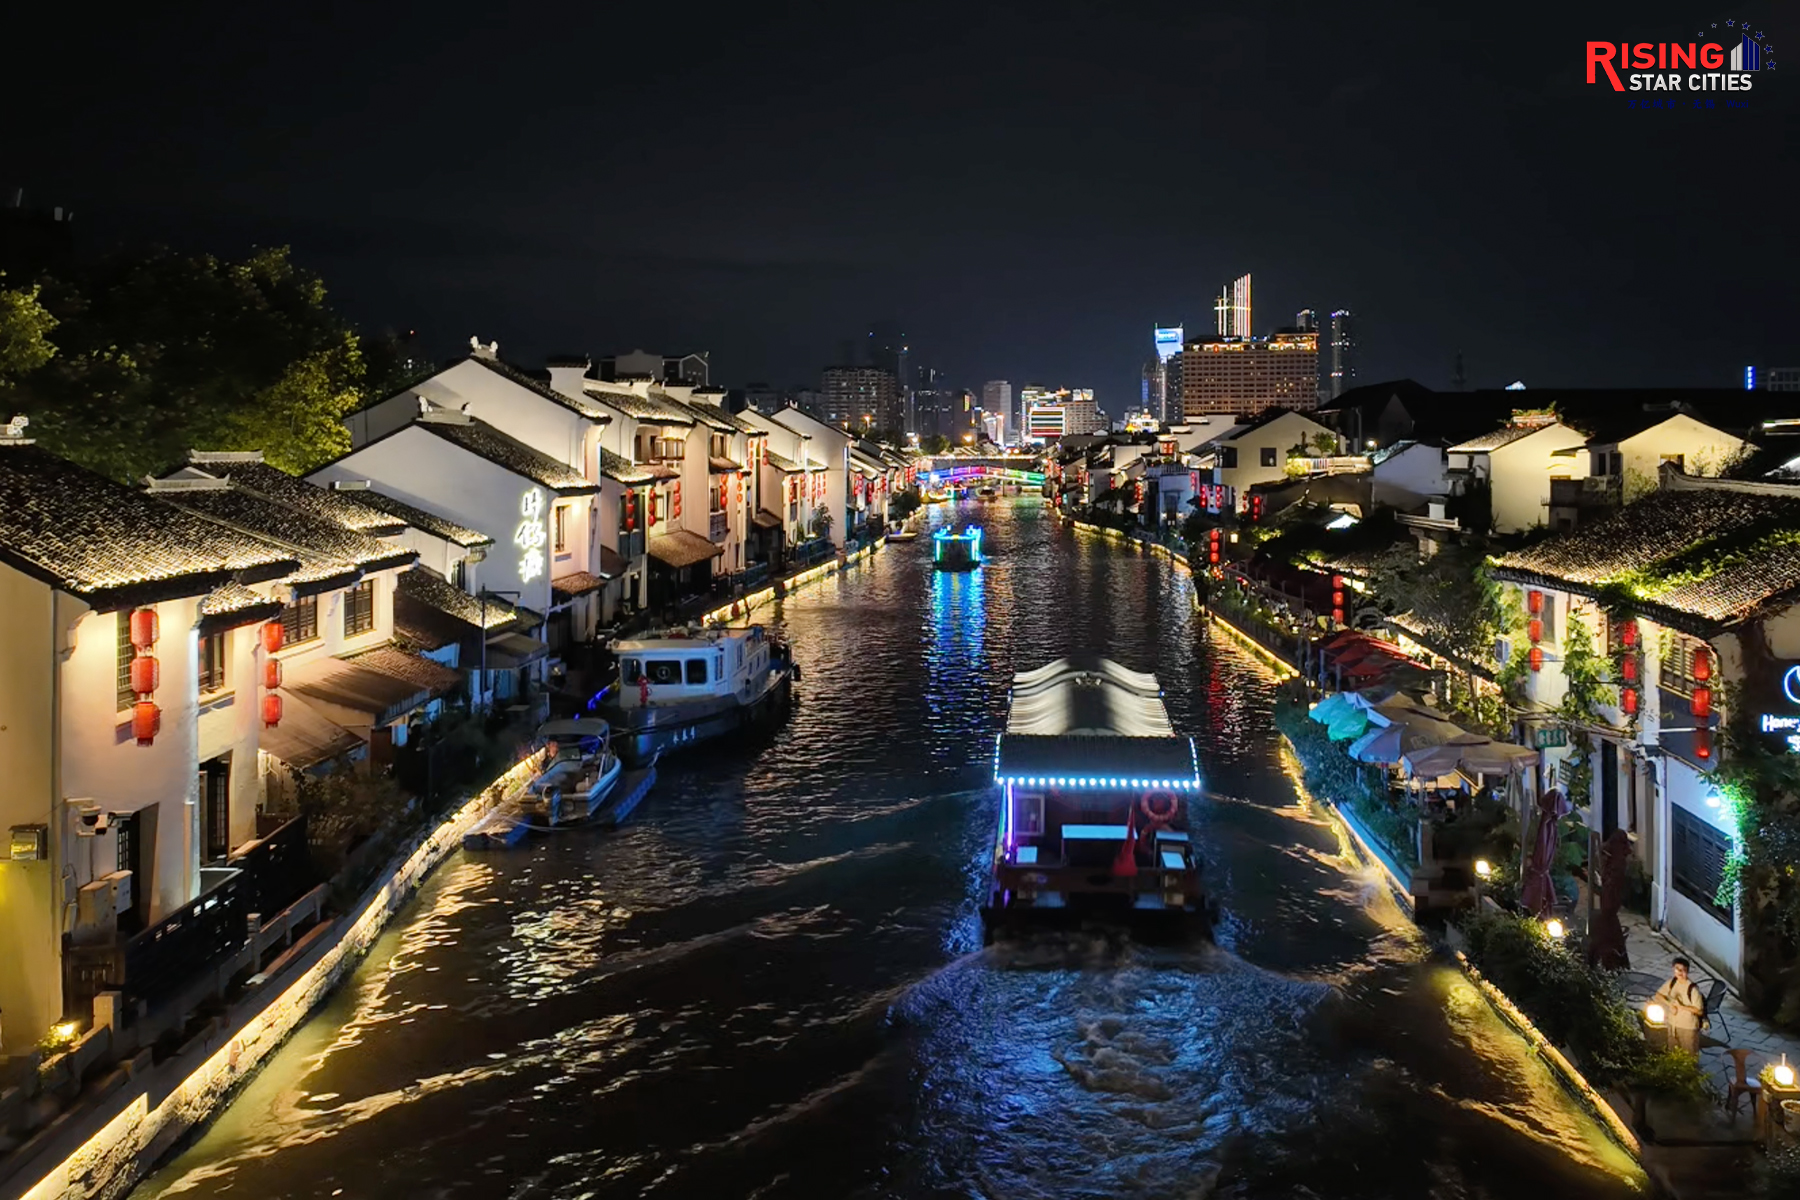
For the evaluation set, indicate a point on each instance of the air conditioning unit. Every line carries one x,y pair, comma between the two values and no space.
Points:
98,906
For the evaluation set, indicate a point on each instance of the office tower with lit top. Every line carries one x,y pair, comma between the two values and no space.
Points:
1245,375
997,397
1231,311
1343,352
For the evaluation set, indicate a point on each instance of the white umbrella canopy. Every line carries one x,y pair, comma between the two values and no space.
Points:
1469,752
1408,732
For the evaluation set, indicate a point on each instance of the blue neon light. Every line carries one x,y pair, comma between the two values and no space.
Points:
1749,379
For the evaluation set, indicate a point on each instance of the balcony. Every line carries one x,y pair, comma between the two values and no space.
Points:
1596,491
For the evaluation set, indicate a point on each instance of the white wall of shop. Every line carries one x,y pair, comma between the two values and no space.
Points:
1721,947
425,470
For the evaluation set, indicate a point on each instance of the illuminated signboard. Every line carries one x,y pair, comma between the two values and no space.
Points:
530,536
1168,343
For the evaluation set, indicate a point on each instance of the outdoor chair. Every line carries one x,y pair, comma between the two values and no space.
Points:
1715,996
1742,1086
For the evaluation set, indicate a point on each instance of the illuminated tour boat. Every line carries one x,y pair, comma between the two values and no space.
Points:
680,687
1095,792
956,551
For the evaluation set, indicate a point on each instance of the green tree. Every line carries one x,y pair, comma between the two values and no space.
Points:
159,353
25,327
935,443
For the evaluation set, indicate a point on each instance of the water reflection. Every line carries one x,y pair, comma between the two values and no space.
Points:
771,984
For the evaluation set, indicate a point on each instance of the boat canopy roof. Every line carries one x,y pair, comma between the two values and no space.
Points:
677,642
1089,722
575,727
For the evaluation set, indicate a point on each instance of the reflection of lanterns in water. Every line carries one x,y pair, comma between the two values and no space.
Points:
1554,928
1655,1014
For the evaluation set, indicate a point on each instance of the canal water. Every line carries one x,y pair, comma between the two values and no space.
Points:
772,983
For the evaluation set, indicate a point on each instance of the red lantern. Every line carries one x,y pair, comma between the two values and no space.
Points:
1628,634
1337,581
146,721
675,501
274,636
1628,701
1337,599
1703,744
1536,658
272,673
143,628
1534,629
271,710
1628,668
145,674
1702,665
1701,703
1535,602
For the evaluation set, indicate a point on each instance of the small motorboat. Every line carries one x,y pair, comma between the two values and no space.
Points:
578,772
956,551
902,534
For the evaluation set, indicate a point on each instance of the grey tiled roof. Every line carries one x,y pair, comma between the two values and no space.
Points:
783,464
344,508
714,415
436,592
513,374
622,470
1700,559
707,414
113,545
326,548
420,518
1493,441
645,408
484,441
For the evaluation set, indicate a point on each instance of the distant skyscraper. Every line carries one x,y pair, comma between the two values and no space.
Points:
1343,352
1781,379
1245,375
997,397
1154,391
1231,311
1306,321
860,398
1050,413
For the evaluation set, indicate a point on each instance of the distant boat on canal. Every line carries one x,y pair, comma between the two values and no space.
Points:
956,551
1095,792
682,687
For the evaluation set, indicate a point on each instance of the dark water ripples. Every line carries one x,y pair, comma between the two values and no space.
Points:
771,984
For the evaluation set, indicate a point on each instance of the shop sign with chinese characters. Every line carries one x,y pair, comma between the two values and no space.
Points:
530,536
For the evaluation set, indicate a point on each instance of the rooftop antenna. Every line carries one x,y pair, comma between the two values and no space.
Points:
1458,381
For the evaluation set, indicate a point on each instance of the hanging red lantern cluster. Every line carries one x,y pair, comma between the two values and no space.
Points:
630,512
1213,539
1630,664
1534,629
650,508
675,500
271,675
146,674
1337,599
1700,702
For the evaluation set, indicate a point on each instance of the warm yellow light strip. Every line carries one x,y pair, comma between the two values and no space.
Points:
123,1141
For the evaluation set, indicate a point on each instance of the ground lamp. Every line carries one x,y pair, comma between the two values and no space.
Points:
1655,1015
1484,868
1554,928
1784,1074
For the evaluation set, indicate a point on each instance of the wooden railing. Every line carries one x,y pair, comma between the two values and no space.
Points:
277,869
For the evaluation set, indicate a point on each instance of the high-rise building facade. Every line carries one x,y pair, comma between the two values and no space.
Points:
1343,353
997,397
1245,375
860,398
1231,311
1051,413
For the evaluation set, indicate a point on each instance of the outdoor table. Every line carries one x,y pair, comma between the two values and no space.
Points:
1771,1126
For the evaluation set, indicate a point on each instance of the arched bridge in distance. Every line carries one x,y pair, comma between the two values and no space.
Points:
953,469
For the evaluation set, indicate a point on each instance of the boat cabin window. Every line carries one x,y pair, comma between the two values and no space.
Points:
696,670
663,670
630,670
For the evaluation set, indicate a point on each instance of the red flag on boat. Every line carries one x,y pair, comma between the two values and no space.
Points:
1125,866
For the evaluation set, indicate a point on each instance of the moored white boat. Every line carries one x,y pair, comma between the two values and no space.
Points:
683,687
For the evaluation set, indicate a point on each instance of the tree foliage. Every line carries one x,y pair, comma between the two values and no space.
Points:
1450,594
25,327
151,355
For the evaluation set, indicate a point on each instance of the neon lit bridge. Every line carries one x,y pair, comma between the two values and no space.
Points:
1009,468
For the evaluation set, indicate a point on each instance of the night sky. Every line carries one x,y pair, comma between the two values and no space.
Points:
1026,188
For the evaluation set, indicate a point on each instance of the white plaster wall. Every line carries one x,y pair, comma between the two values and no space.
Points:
1687,922
1705,451
1411,477
1520,475
102,762
518,412
425,470
231,723
30,977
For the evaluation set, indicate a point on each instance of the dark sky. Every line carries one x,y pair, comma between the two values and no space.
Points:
1027,188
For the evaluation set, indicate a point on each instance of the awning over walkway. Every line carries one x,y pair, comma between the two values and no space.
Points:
509,650
576,583
304,738
764,519
682,548
377,688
